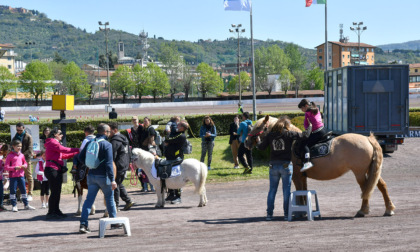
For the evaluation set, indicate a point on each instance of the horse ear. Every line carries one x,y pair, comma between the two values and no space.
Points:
267,117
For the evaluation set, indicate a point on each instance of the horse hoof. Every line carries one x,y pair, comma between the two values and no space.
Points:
200,205
389,213
359,214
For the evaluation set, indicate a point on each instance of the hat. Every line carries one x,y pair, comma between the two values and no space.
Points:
134,118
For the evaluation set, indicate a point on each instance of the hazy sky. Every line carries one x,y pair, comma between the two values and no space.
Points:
286,20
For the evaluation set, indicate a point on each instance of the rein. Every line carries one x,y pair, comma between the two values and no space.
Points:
257,134
133,176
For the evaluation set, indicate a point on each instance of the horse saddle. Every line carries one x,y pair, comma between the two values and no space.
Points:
164,167
321,149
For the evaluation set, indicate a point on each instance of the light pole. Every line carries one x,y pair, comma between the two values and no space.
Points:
358,30
236,29
30,43
106,30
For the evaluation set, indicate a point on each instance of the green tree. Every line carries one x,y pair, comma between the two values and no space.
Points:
36,79
187,79
209,82
122,81
7,82
271,60
59,59
297,61
233,85
172,64
157,82
314,79
286,77
140,77
75,80
300,76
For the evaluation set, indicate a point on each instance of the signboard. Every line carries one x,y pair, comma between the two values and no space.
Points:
411,133
33,130
62,102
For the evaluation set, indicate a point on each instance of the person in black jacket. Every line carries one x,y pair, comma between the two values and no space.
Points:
234,140
113,114
280,139
121,157
174,149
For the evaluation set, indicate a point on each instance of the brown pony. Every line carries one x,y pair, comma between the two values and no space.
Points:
83,185
360,154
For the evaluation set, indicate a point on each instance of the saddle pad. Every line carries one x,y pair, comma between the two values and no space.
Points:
321,149
176,171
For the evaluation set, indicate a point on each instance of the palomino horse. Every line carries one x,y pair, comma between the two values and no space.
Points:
191,170
83,185
360,154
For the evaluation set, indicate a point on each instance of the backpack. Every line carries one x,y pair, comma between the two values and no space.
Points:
92,161
158,139
187,148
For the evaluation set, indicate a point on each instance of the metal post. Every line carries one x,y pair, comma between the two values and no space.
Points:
254,94
326,39
107,60
239,72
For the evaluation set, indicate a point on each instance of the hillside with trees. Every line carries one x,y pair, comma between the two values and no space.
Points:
54,37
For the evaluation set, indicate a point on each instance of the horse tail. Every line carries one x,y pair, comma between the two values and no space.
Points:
375,168
203,177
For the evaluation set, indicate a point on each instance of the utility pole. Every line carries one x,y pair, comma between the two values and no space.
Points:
358,30
30,44
238,31
106,30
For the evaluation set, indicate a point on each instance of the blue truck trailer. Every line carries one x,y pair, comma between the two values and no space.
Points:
364,99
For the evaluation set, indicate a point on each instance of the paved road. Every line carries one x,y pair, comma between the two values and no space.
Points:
234,219
268,107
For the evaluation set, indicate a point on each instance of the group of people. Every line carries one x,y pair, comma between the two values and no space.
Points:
114,148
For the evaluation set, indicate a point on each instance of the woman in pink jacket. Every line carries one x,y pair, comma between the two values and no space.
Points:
312,115
16,164
54,155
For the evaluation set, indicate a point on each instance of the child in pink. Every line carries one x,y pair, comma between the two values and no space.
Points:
313,116
39,170
16,165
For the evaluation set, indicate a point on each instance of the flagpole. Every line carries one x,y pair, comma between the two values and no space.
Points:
326,39
254,95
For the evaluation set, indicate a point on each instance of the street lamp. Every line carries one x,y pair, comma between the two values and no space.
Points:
358,30
106,30
238,31
30,43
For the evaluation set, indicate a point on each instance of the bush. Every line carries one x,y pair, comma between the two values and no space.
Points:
414,119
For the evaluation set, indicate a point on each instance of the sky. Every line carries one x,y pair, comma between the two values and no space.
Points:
286,20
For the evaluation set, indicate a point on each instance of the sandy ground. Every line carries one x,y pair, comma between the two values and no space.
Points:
235,219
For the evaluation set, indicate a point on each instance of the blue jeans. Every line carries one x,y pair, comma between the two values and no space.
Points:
14,184
96,182
276,172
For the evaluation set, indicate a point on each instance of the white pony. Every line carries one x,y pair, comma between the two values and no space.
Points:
191,170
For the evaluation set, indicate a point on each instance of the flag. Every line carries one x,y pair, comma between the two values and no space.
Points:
309,2
238,5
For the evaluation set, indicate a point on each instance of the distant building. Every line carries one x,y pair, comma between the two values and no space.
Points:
342,54
232,68
96,75
7,57
414,75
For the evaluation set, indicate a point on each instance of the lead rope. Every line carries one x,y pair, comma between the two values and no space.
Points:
133,176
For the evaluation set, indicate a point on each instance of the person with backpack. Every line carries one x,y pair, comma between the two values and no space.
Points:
207,133
244,129
54,169
97,155
175,149
89,130
121,157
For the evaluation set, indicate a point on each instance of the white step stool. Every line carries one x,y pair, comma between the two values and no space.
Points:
304,208
103,222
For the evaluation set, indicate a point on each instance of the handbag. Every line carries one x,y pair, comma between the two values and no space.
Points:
63,169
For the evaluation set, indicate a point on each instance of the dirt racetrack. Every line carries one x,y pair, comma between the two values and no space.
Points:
235,219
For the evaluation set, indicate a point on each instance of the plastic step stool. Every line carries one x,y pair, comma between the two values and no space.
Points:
293,207
119,220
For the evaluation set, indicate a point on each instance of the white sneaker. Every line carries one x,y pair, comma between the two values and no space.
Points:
306,166
46,205
29,198
14,209
43,205
236,167
28,207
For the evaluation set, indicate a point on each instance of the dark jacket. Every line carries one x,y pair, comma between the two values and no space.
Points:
105,155
121,150
27,146
233,128
175,146
281,144
144,134
207,128
113,115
